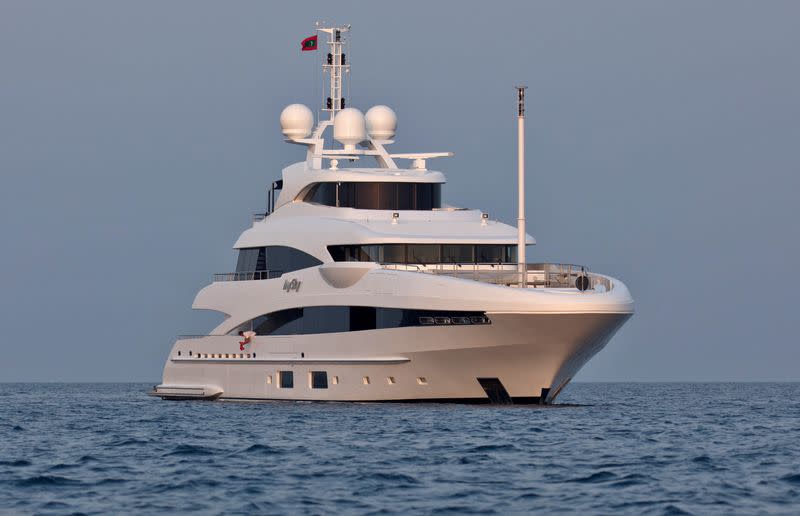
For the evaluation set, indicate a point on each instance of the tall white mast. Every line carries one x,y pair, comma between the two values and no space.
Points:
522,267
336,65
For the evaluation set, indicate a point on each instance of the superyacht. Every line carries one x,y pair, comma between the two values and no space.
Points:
357,283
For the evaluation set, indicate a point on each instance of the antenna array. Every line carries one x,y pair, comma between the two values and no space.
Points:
336,66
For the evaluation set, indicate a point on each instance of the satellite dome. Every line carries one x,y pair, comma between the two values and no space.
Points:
381,122
296,121
349,128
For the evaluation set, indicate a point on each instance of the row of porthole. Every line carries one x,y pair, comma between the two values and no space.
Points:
220,355
319,380
421,380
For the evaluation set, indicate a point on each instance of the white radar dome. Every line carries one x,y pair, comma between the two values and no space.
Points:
381,122
296,121
349,128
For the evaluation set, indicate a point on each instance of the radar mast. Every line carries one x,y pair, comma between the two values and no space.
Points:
336,66
360,135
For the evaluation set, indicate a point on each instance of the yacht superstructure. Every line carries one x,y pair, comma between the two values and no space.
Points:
359,284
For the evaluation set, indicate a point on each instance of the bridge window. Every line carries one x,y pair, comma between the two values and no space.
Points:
275,259
376,195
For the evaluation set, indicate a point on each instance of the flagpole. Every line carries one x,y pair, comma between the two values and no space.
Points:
521,237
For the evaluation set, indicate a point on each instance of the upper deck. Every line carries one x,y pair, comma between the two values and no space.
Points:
312,227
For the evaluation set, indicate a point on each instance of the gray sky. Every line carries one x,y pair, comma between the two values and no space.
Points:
663,137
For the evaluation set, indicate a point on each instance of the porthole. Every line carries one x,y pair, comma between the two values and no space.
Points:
422,380
205,355
179,353
269,379
441,320
460,320
390,380
318,379
190,353
286,379
335,380
366,380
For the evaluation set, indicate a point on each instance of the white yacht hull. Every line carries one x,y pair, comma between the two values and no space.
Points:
532,355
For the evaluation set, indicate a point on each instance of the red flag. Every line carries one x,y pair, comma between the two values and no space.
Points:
310,43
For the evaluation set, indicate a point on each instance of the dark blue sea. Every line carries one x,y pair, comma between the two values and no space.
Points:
609,448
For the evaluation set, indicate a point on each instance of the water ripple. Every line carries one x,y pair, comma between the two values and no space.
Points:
595,478
190,449
46,480
15,463
792,479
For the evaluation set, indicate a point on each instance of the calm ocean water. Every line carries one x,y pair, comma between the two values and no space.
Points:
621,448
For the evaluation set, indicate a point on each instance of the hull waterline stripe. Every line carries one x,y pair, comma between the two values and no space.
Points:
527,400
580,312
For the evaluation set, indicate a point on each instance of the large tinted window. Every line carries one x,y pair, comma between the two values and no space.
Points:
392,253
277,258
490,253
377,196
363,318
323,193
458,253
425,253
278,323
248,259
337,319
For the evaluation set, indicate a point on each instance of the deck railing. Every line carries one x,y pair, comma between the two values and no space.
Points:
537,275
